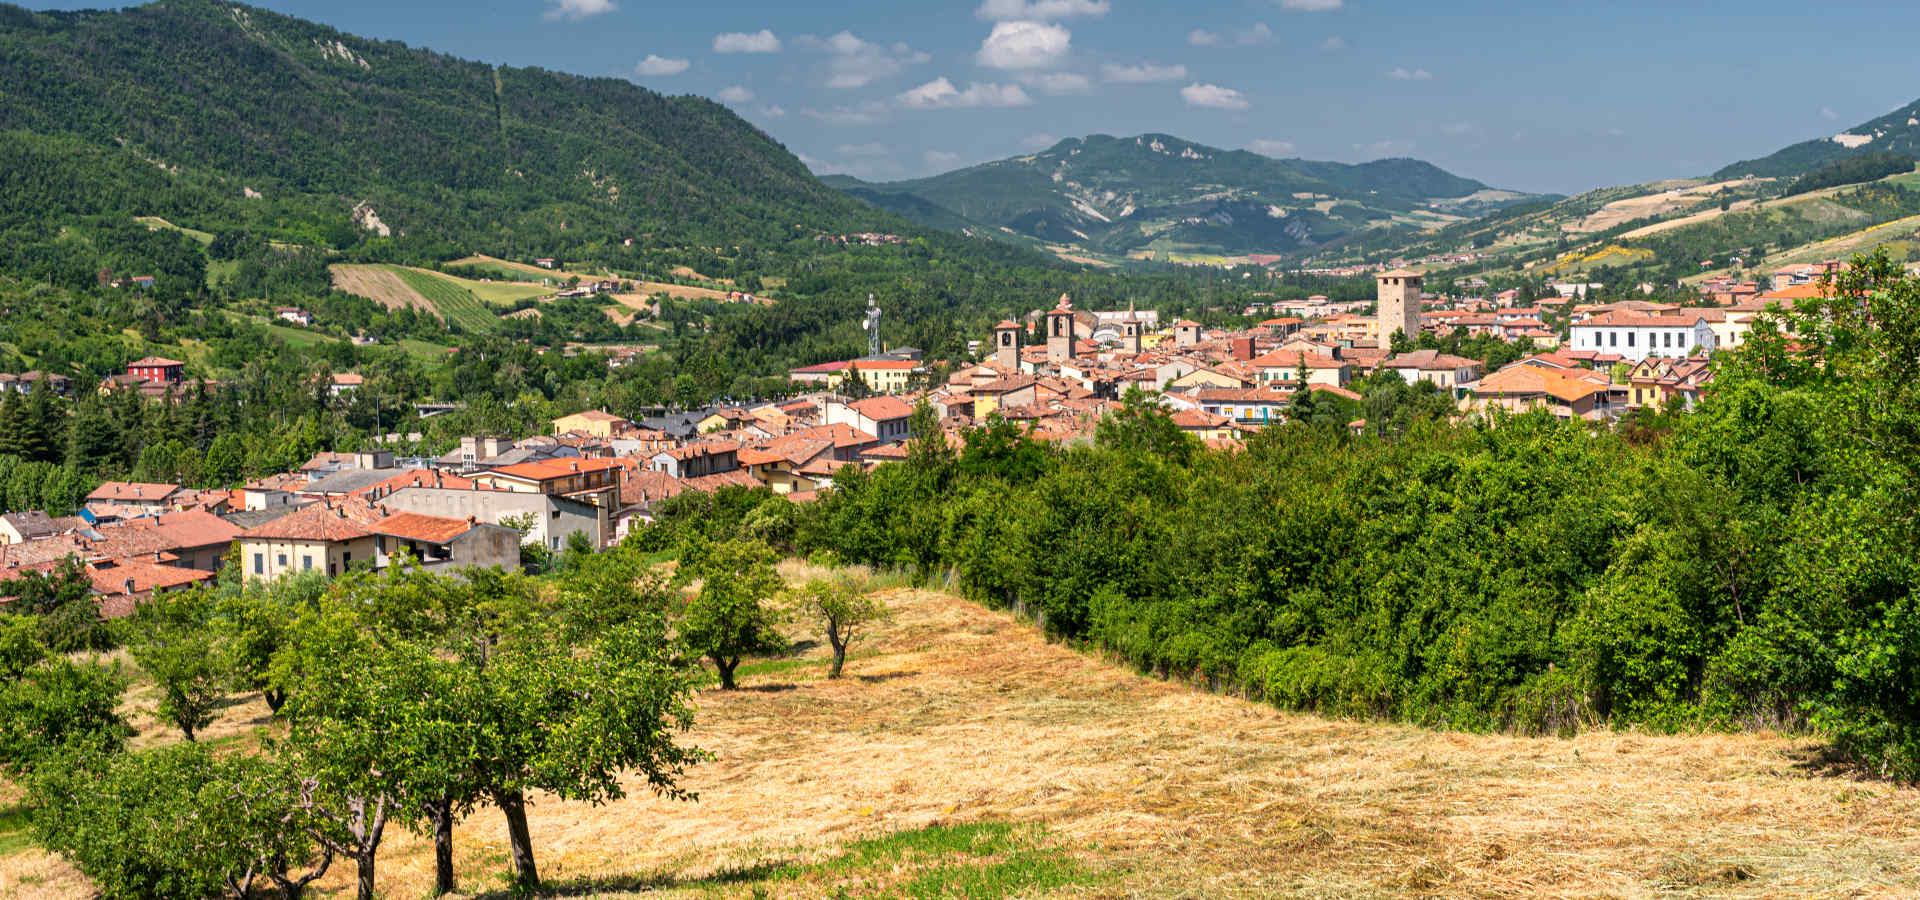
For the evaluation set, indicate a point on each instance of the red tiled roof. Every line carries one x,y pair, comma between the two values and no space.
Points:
152,361
421,527
553,469
127,491
417,478
319,522
882,408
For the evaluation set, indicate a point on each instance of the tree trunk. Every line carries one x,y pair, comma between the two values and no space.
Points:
440,812
364,886
188,731
275,700
513,804
726,668
839,656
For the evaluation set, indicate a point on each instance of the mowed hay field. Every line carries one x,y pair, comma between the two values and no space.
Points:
966,756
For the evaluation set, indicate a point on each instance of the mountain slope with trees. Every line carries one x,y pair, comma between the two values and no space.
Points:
1154,190
248,111
1895,132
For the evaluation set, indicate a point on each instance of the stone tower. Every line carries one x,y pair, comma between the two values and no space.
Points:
1398,307
1006,345
1186,333
1130,331
1060,331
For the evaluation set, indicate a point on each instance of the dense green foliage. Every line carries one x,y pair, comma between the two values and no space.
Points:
1852,170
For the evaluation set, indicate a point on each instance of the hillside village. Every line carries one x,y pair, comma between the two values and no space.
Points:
595,475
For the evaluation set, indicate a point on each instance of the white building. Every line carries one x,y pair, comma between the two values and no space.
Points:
1635,336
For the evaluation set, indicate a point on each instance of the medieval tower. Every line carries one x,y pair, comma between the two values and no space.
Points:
1398,308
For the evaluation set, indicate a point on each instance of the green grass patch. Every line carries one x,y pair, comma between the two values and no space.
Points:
453,302
424,351
156,223
979,861
16,829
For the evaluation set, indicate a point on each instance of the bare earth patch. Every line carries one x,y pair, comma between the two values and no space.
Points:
379,284
955,714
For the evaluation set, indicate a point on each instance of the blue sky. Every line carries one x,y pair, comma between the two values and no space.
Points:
1517,96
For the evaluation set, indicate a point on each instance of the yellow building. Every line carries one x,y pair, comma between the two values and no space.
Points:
596,422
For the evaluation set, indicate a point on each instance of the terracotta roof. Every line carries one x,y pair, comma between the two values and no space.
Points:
595,415
151,361
1402,273
417,478
129,491
553,469
882,408
1623,319
1288,359
319,522
1199,419
1431,359
421,527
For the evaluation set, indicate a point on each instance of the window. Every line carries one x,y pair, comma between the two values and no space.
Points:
1613,338
306,562
283,561
346,558
259,564
1629,338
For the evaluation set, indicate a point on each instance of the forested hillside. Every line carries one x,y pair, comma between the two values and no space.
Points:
1158,191
234,100
1895,132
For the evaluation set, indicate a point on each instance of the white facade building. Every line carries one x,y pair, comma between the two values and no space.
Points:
1635,337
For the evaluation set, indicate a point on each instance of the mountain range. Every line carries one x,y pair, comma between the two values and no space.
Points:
243,114
1156,193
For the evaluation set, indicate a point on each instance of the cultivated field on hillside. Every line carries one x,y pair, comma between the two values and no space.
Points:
378,283
508,269
966,756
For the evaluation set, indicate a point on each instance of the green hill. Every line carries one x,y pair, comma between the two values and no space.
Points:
219,114
1895,132
1156,191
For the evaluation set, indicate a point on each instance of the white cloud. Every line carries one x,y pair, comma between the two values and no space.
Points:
773,112
1024,45
1402,73
579,9
1143,73
1257,33
1041,10
941,94
736,94
1266,147
1039,141
762,41
659,66
1311,5
1057,82
1335,42
855,63
940,159
858,114
1827,113
874,149
1213,96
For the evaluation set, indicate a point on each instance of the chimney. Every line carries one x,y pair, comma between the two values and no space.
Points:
1243,348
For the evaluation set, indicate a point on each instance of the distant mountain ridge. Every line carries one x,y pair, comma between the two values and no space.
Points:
1159,192
1895,132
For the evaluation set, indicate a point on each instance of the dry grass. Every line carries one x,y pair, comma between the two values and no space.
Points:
955,714
379,284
